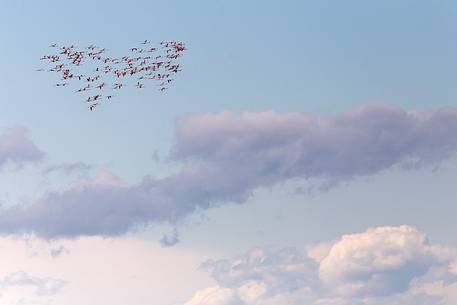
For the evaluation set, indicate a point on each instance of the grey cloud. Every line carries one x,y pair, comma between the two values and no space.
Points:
69,168
169,240
55,252
17,148
286,269
269,147
226,156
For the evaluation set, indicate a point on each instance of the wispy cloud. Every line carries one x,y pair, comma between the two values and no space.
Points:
96,270
68,168
44,286
21,288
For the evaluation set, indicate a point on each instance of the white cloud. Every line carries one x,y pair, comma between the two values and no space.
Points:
214,296
43,286
21,288
377,262
318,251
252,291
453,267
384,265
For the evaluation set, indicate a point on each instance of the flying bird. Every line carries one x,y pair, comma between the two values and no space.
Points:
77,66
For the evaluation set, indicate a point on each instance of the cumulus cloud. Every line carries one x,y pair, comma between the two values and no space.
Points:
226,156
385,265
318,251
214,296
17,148
380,261
252,291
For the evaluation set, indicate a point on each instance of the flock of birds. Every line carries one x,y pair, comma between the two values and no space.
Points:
99,75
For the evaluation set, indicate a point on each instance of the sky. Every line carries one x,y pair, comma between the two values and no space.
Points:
304,155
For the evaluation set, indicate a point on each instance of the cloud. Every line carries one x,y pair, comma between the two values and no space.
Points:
55,252
97,271
43,286
252,291
21,288
268,147
454,267
169,240
16,148
214,296
284,269
69,168
225,156
318,251
384,265
380,261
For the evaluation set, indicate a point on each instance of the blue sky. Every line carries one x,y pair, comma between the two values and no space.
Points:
323,58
